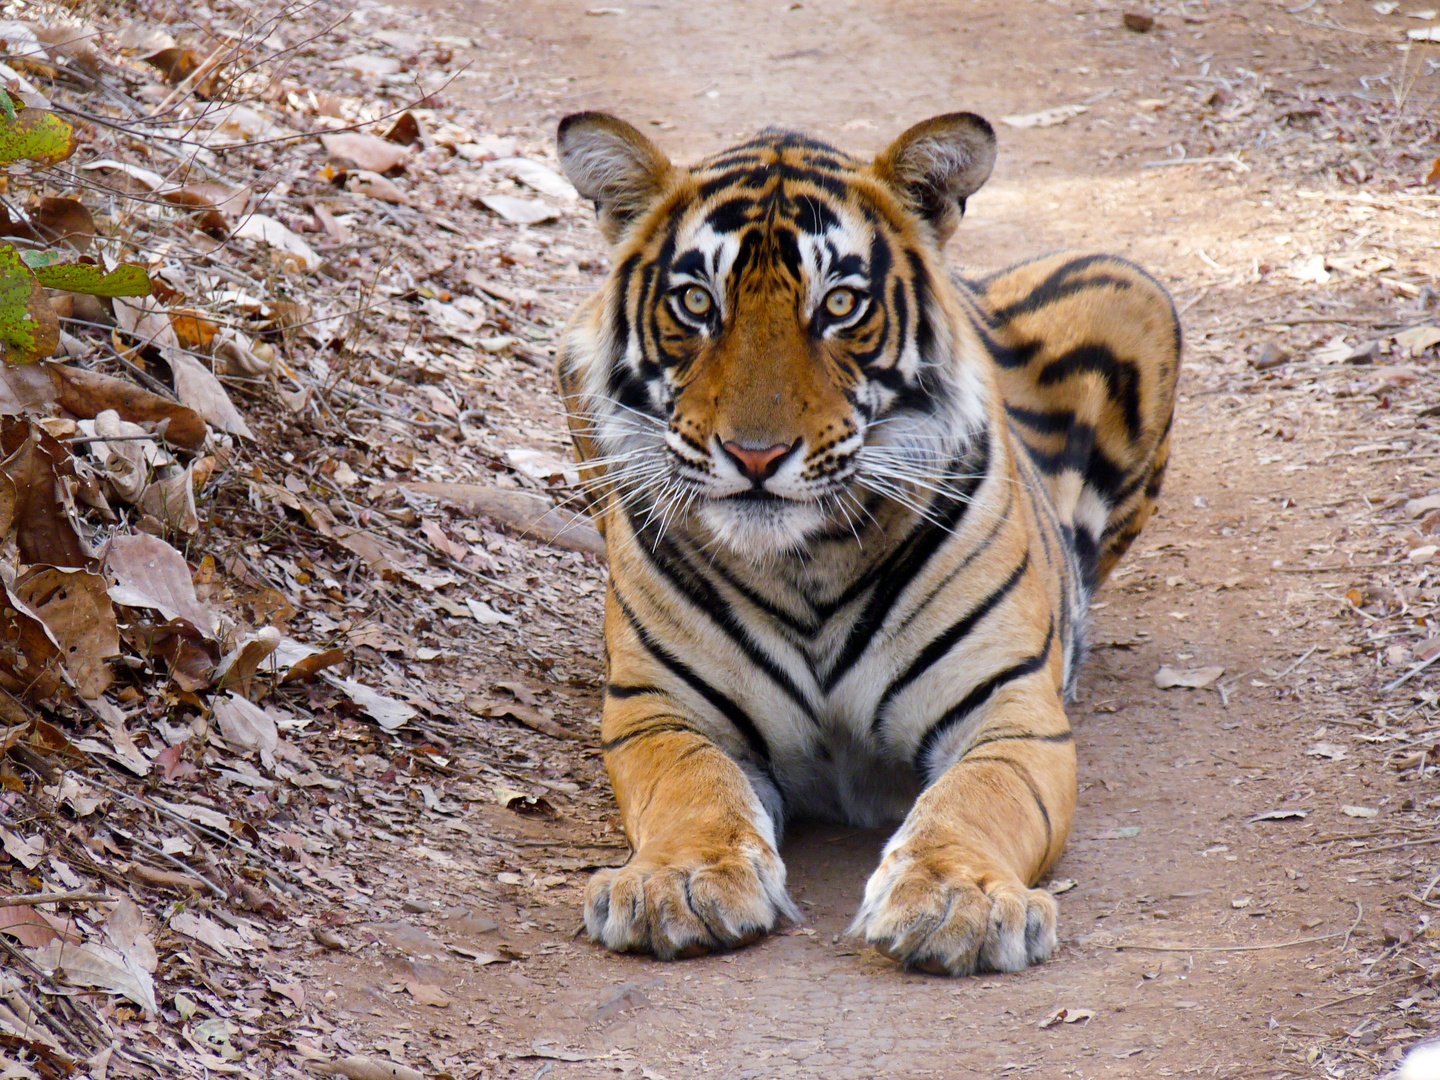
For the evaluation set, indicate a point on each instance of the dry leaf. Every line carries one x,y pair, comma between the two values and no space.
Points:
386,711
1168,678
32,469
239,666
374,186
33,929
269,231
205,929
406,130
1066,1016
368,152
149,573
364,1068
88,393
1045,117
313,664
27,852
30,657
534,175
246,726
96,965
426,994
63,221
197,387
75,608
519,211
1280,815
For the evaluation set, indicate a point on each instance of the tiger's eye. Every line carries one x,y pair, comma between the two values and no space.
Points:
697,301
840,303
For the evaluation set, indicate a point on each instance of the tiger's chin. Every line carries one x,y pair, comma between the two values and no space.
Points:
760,528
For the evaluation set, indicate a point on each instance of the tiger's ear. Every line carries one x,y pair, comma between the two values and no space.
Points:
938,164
611,163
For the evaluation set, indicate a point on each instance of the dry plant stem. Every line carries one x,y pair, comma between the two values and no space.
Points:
79,896
1359,913
196,874
199,828
1364,993
1223,948
160,137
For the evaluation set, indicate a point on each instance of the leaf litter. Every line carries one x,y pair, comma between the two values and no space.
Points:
283,503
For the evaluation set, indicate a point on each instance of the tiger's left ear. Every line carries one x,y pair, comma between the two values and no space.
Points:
937,165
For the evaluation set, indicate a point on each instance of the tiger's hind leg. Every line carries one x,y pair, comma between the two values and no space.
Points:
1087,351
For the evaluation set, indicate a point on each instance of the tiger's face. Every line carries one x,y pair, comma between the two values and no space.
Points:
774,353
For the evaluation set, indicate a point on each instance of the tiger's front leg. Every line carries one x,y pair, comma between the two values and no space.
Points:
953,892
705,874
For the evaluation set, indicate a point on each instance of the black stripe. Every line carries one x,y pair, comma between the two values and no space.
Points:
678,726
1002,518
1023,736
978,697
615,690
1122,378
667,559
1029,781
1061,282
1047,423
893,575
806,628
722,704
953,634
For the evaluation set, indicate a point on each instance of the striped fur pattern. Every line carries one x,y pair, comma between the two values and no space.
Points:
855,510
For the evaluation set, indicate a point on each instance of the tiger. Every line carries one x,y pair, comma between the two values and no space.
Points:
854,510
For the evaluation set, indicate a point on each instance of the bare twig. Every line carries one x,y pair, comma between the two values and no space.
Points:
77,896
1120,946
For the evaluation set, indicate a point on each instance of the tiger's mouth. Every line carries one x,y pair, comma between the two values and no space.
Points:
758,495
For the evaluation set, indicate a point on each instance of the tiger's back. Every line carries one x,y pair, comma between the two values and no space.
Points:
854,512
1087,353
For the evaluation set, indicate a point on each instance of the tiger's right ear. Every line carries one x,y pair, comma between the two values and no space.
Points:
610,162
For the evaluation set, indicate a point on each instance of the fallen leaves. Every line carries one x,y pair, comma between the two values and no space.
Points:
1168,678
1051,117
364,1068
369,152
1066,1016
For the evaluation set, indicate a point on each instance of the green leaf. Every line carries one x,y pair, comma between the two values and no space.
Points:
127,279
39,258
37,135
7,106
29,330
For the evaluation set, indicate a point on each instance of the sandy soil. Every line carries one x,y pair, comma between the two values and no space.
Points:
1268,946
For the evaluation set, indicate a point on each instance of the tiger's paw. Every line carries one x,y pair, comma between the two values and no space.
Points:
948,917
687,905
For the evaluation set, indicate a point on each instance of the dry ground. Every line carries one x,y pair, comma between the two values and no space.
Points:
1287,495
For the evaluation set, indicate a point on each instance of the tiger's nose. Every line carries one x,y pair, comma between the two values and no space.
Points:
759,465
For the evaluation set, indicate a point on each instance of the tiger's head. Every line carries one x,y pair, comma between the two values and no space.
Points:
774,350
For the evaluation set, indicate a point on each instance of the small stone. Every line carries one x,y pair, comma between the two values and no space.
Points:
1271,356
1138,22
1364,353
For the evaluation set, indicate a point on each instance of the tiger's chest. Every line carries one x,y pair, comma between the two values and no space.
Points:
843,673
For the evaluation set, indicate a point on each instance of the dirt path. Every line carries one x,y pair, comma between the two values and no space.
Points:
1171,845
